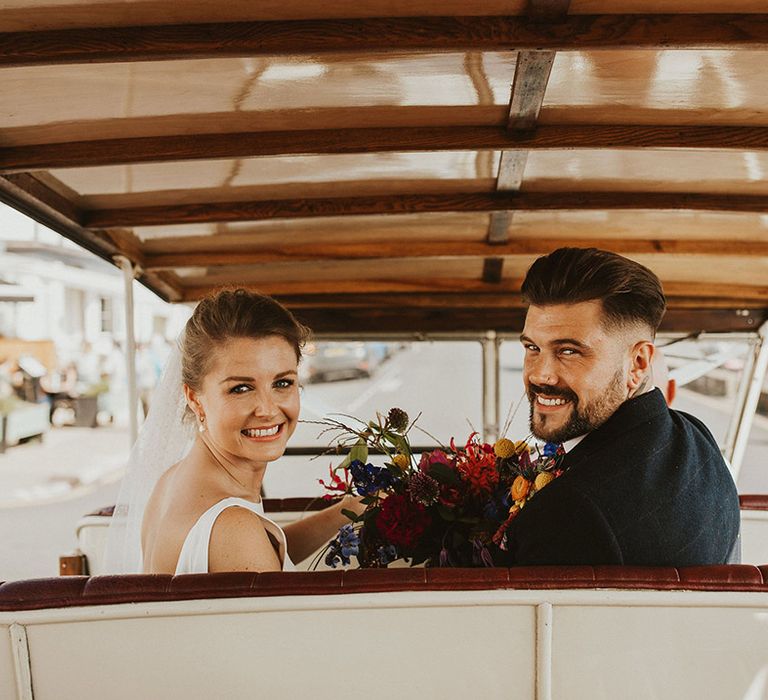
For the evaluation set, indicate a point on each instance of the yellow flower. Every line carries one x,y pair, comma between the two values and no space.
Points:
542,480
504,448
401,461
520,488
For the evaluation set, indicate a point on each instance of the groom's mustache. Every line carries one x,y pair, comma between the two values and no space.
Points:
551,392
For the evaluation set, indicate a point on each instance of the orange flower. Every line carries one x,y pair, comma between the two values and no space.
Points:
542,480
520,488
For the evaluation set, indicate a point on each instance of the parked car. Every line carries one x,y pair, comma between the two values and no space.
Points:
326,361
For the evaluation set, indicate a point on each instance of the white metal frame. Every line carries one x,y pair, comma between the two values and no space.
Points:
746,410
130,271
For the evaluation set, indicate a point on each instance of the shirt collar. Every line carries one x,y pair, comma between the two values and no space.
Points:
568,445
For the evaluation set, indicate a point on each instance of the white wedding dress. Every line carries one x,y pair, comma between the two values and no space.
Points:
194,552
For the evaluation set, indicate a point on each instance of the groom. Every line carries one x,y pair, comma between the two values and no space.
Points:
645,485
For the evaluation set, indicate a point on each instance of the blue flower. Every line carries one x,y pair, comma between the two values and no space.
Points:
345,545
387,554
494,508
368,479
550,449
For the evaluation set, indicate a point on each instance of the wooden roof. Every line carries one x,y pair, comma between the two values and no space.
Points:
397,165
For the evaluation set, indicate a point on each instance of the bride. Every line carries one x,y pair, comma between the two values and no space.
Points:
198,509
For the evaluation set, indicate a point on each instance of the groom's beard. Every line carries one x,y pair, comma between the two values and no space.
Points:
584,416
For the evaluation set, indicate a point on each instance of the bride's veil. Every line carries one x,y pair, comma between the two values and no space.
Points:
163,440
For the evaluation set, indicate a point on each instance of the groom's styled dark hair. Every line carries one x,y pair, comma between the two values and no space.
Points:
630,293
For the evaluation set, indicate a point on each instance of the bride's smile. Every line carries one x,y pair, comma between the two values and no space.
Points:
262,434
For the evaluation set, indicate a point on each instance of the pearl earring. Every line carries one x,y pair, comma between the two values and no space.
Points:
201,427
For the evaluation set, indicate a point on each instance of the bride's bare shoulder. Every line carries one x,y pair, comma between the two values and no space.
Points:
240,542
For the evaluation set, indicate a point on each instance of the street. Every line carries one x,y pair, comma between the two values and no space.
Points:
45,489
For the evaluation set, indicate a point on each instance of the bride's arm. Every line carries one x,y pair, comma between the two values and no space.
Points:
307,535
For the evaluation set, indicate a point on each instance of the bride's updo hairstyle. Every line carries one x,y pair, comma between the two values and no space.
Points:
228,314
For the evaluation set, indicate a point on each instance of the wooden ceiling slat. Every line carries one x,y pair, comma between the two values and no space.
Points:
437,285
403,204
503,320
548,10
377,250
379,140
313,37
370,286
469,301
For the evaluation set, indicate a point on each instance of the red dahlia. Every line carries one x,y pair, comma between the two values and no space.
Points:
401,521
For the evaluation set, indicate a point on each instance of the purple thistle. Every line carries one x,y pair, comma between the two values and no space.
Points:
423,489
397,419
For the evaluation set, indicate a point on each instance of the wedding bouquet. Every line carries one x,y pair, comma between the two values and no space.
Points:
445,508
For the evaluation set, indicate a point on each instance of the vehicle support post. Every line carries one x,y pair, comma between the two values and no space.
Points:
749,406
490,343
129,273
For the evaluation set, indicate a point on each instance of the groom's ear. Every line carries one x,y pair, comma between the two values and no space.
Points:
640,365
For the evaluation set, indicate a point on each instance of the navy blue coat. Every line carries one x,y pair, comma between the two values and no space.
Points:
648,487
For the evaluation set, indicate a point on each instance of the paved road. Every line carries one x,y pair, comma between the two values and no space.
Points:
33,537
45,488
68,472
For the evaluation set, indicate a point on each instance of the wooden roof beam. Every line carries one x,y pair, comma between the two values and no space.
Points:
335,291
389,249
504,320
412,34
442,285
417,204
474,301
379,140
199,288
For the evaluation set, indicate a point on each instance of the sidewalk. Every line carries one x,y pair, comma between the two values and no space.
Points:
67,462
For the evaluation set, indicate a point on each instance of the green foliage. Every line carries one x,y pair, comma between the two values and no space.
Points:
354,517
444,474
358,451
